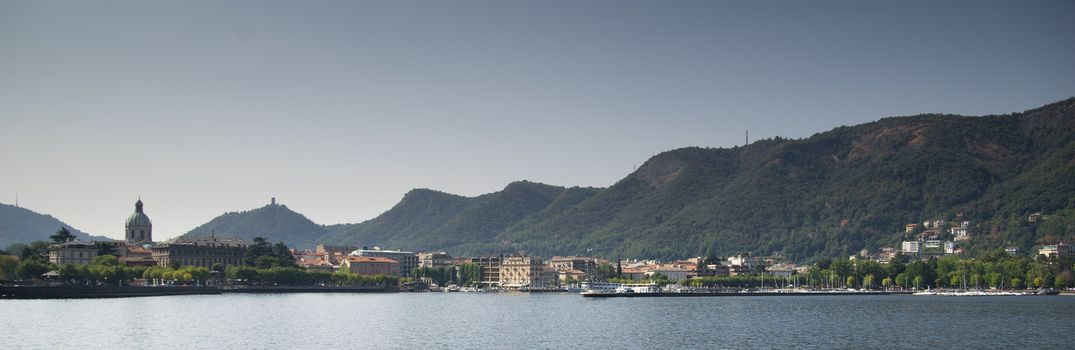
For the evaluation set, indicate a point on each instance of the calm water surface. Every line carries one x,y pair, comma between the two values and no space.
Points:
539,321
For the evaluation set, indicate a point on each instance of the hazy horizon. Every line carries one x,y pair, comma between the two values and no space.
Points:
337,109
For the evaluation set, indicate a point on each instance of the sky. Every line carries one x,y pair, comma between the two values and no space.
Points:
338,109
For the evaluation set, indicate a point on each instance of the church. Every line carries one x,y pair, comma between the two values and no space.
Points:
138,239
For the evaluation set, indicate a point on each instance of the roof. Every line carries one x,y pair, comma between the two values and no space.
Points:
315,262
211,241
72,244
138,218
370,259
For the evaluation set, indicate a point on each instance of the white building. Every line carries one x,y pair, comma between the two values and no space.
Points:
407,260
912,246
949,247
72,252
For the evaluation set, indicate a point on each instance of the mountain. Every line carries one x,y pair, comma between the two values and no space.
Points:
776,196
275,222
21,225
427,219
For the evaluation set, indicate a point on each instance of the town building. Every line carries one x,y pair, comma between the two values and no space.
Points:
314,262
333,253
490,270
911,247
72,252
563,263
949,247
674,274
960,234
139,229
200,251
564,275
1035,217
1060,250
910,228
525,271
133,254
781,270
633,273
929,234
408,261
434,260
370,265
713,270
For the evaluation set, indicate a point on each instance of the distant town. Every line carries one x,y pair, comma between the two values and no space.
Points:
929,259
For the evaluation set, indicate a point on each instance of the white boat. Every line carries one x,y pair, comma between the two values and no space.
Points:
599,287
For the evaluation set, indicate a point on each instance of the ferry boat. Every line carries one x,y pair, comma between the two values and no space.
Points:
599,287
639,288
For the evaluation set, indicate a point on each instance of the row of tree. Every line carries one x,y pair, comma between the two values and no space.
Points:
994,270
292,276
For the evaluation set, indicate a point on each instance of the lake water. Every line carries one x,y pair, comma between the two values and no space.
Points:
538,321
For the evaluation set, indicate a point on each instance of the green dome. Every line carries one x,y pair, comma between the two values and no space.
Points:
138,219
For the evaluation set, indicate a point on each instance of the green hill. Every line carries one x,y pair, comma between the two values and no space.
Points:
427,219
275,222
778,195
21,225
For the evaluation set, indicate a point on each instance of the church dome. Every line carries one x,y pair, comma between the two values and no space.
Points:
138,218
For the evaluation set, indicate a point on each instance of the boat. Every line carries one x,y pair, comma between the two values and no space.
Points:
599,287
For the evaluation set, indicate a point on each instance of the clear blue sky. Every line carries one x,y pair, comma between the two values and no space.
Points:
339,108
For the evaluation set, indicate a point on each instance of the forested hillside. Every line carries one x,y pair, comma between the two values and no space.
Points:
781,196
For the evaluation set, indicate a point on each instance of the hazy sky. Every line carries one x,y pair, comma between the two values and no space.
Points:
339,108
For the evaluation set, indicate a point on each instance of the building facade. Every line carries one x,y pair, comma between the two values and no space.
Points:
333,250
72,252
525,271
1057,250
370,266
562,263
407,260
490,270
911,247
434,260
200,251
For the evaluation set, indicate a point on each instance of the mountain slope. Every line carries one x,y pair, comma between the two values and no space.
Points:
20,225
275,222
781,196
427,219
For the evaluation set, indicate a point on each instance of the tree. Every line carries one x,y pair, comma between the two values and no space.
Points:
26,251
886,282
217,267
30,268
901,280
105,248
918,280
1016,282
850,281
7,267
63,235
1060,282
106,260
867,281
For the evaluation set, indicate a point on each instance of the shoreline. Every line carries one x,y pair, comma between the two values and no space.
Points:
103,292
734,294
